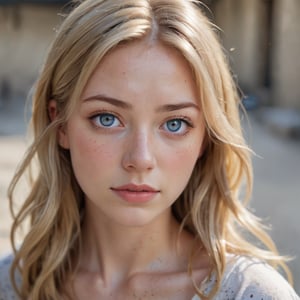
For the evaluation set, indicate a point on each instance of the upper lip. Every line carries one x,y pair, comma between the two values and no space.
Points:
135,188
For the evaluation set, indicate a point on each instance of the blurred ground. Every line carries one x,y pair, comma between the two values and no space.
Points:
276,192
276,187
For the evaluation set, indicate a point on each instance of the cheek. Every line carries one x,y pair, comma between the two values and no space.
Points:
178,169
92,159
182,161
87,151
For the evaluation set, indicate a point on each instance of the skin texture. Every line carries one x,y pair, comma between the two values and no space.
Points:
138,122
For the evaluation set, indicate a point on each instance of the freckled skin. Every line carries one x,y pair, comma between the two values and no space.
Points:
155,75
140,149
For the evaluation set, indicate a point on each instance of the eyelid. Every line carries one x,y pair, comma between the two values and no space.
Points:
104,111
186,120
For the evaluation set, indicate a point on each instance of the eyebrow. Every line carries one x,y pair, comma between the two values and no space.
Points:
125,105
172,107
110,100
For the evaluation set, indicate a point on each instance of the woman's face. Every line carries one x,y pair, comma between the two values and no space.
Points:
136,134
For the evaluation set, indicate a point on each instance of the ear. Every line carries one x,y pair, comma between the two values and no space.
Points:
62,135
52,110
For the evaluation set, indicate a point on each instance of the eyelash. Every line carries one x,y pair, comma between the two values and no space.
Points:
186,120
103,112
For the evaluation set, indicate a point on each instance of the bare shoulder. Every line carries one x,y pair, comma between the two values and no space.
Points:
249,278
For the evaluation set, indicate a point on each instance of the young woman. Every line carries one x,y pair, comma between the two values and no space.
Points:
140,164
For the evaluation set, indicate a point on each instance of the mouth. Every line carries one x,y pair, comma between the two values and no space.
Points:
132,193
143,188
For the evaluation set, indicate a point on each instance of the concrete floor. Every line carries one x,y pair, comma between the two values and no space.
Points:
276,196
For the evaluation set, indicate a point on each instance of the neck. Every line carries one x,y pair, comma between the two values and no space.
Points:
112,249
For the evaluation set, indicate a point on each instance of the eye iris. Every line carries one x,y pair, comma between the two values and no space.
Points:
107,120
174,125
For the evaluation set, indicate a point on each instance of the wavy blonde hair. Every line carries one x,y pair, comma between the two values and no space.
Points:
209,207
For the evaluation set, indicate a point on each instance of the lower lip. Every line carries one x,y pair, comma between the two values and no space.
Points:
135,197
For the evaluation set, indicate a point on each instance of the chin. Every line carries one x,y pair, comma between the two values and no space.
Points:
137,217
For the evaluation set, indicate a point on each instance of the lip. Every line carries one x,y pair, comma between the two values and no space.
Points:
133,193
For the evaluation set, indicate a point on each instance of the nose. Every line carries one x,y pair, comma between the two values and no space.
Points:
138,155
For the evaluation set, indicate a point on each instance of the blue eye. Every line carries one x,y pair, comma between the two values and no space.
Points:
177,126
106,120
174,125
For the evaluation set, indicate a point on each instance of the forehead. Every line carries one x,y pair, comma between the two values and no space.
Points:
140,64
143,54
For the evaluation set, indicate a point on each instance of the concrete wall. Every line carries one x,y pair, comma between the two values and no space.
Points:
257,53
265,38
286,55
244,27
26,32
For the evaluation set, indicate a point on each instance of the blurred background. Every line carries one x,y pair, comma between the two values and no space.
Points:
262,41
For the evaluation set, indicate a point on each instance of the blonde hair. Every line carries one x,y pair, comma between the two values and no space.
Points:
209,207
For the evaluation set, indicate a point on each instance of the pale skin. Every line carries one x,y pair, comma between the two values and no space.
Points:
138,122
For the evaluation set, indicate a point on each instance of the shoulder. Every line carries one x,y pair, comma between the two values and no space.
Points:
6,289
249,278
